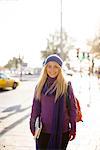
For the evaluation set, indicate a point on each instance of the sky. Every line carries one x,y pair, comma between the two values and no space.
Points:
25,25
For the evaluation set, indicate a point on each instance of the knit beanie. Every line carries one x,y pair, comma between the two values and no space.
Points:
54,57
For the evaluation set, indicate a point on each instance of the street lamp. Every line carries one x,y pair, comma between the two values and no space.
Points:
61,26
21,63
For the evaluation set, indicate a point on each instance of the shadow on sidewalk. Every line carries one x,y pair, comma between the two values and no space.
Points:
13,125
14,110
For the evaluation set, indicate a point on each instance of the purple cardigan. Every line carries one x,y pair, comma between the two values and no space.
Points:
46,106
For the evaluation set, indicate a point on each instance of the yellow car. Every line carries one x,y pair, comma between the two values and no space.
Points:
6,82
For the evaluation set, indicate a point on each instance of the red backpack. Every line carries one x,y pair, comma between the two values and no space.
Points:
79,112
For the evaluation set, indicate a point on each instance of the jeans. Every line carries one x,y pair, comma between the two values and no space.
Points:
42,142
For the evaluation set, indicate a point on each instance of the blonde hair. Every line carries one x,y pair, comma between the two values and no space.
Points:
60,84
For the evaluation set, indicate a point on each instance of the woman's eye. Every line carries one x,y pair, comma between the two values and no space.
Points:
55,67
49,67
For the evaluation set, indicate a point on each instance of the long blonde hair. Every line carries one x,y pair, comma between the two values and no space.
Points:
60,84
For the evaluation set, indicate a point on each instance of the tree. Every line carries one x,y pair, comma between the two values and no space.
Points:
54,45
13,63
95,46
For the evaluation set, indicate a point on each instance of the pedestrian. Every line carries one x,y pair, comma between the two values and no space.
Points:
49,102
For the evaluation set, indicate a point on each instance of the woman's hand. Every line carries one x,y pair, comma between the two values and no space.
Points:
72,135
33,133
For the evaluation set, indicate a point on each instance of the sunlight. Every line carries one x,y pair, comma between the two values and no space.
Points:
25,25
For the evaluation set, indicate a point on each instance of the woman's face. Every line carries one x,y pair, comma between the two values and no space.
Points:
52,69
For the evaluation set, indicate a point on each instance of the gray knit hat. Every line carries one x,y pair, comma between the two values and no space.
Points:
54,57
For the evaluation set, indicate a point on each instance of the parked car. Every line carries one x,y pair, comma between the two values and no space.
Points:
6,81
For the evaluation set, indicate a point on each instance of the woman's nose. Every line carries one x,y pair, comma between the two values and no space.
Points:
52,69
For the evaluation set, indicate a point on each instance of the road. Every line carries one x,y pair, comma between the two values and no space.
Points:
15,108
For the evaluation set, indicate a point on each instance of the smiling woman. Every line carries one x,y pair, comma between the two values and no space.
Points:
52,69
7,82
49,104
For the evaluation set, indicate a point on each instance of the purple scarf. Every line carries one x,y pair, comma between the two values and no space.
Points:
57,121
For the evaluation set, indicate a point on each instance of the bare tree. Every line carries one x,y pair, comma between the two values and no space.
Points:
95,45
54,45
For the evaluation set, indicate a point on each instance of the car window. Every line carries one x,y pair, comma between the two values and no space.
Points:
3,76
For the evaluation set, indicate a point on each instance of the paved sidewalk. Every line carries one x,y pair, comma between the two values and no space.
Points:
15,133
88,132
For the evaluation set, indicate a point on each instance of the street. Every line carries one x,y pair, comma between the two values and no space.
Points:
15,108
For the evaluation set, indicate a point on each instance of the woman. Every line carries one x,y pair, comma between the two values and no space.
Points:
50,103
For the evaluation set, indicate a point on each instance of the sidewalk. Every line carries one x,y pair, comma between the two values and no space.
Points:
16,135
88,132
19,137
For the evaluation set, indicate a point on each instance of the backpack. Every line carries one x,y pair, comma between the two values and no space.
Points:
78,112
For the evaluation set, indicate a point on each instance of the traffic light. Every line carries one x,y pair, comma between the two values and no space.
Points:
77,52
88,56
83,55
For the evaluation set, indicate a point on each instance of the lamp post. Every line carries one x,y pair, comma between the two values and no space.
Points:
61,26
21,62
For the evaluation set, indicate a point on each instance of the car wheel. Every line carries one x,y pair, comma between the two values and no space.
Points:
14,85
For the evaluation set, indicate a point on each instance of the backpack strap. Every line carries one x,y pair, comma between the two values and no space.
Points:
68,99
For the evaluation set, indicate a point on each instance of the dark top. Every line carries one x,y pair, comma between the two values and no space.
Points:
45,108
